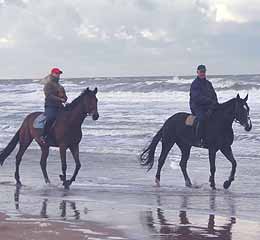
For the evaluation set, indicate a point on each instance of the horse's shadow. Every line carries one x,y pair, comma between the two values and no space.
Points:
161,223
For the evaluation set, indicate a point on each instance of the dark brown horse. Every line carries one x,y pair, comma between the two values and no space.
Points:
66,133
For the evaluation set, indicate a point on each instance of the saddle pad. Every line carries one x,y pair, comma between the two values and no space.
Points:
40,121
190,120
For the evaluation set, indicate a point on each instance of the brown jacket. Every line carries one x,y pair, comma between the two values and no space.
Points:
53,92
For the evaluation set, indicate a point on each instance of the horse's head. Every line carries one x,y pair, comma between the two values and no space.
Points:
242,112
90,103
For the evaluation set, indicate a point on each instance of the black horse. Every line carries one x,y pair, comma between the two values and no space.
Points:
218,136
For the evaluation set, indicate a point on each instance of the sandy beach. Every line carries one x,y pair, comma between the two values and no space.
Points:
34,229
30,227
119,201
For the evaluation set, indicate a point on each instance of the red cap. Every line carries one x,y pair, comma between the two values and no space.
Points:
56,70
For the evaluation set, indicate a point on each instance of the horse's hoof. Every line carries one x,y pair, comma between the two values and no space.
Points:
213,186
188,184
47,181
62,178
67,184
226,184
157,182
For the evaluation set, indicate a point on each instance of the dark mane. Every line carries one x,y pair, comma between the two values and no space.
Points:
77,100
227,103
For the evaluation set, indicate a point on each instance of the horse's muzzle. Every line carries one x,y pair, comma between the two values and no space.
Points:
248,125
95,116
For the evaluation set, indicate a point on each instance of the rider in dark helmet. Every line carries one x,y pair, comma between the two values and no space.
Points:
203,98
55,97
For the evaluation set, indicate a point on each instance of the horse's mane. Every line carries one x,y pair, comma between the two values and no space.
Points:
77,100
224,109
225,104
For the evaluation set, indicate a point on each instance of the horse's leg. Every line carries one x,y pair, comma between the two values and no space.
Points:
166,147
212,161
25,140
45,154
227,152
185,154
75,153
63,166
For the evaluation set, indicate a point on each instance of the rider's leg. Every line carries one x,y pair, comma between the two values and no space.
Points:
47,126
200,129
51,114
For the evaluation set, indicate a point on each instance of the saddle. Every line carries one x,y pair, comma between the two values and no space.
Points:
40,121
191,121
39,124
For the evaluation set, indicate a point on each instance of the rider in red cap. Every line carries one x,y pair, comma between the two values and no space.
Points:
56,71
55,97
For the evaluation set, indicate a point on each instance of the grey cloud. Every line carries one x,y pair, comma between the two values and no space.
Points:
19,3
148,4
119,37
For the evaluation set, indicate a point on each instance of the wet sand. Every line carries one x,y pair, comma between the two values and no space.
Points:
29,228
113,198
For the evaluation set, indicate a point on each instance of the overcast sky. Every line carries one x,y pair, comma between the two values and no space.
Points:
128,37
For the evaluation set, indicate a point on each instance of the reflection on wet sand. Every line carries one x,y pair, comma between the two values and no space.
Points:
32,224
63,206
17,197
164,225
185,229
184,221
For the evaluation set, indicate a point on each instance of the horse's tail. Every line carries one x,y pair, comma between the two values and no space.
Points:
147,156
9,148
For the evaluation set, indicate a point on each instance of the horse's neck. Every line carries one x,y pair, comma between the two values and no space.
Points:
76,116
227,112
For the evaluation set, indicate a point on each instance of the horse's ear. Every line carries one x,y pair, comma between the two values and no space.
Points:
238,97
95,91
87,90
246,98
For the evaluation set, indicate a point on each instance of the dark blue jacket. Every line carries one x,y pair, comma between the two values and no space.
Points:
202,96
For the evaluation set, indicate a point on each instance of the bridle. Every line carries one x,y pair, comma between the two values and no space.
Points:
85,112
238,116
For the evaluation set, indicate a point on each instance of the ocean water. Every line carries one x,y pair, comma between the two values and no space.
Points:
132,109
